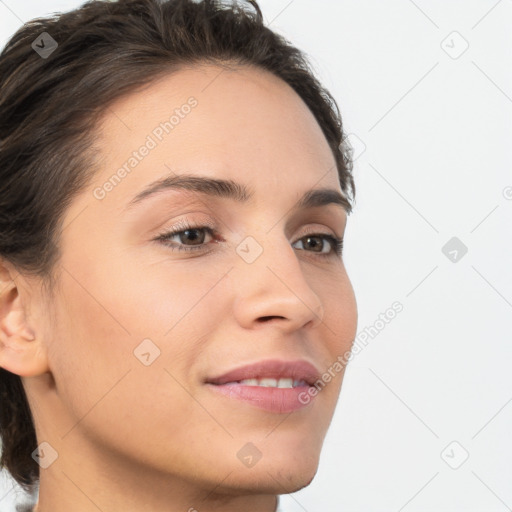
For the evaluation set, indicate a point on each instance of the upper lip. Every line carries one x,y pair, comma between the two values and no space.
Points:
270,368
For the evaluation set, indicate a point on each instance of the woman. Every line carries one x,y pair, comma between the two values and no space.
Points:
175,311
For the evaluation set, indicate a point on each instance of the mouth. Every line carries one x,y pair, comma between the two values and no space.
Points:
272,385
270,373
266,382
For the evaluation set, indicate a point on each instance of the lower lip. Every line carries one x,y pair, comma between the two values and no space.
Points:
280,400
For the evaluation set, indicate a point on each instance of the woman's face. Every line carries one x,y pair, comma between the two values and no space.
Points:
140,324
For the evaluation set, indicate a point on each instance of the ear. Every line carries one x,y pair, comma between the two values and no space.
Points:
21,351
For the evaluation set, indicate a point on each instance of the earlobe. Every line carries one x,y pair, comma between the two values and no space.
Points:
21,351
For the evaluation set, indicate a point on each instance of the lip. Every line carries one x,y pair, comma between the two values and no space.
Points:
270,368
271,399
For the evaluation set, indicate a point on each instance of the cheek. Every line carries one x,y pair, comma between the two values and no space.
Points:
111,315
102,382
340,310
340,319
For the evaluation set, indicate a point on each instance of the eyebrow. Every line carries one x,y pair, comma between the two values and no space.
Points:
238,192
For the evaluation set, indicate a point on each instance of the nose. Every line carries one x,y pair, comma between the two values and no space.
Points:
273,289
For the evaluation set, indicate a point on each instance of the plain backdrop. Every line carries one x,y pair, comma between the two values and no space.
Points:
425,91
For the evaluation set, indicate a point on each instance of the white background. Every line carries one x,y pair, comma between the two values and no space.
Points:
431,125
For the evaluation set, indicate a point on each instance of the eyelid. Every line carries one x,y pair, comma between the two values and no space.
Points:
184,224
333,240
316,230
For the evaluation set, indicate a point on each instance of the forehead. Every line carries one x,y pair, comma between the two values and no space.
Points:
242,123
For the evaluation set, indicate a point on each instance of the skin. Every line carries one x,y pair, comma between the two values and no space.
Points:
133,437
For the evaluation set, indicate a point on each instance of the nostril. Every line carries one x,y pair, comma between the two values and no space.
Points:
265,318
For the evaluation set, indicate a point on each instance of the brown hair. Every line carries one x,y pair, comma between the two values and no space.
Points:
49,105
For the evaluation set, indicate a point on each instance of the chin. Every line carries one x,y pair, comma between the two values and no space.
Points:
279,474
293,480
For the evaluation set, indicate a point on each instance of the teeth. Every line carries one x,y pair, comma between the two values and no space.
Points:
285,383
249,382
273,383
268,383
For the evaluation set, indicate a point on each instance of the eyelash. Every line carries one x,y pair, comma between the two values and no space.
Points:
336,243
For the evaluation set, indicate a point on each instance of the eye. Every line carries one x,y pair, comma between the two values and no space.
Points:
320,242
185,233
191,238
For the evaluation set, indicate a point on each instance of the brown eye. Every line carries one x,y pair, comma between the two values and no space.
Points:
196,236
317,243
188,239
